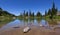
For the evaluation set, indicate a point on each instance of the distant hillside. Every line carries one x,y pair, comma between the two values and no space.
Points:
5,13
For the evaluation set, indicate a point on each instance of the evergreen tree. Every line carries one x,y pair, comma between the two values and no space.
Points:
33,14
1,9
38,14
30,14
54,10
46,13
49,12
26,14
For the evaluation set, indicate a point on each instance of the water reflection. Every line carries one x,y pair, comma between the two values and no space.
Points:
5,22
28,22
53,22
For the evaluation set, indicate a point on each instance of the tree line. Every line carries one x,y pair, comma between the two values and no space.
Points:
30,14
51,12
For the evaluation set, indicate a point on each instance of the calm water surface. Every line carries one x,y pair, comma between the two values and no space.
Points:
23,23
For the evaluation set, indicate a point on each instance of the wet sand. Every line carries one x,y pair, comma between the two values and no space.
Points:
33,31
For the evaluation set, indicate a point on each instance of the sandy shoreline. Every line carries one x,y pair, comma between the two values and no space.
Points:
33,31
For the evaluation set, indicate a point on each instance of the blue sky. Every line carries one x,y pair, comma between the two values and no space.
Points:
18,6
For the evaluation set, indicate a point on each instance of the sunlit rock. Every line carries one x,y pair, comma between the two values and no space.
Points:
26,29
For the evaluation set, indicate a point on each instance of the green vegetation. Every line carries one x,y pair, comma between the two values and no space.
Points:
52,13
30,15
5,13
49,14
5,17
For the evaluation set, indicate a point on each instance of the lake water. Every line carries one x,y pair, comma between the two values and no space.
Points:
37,23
